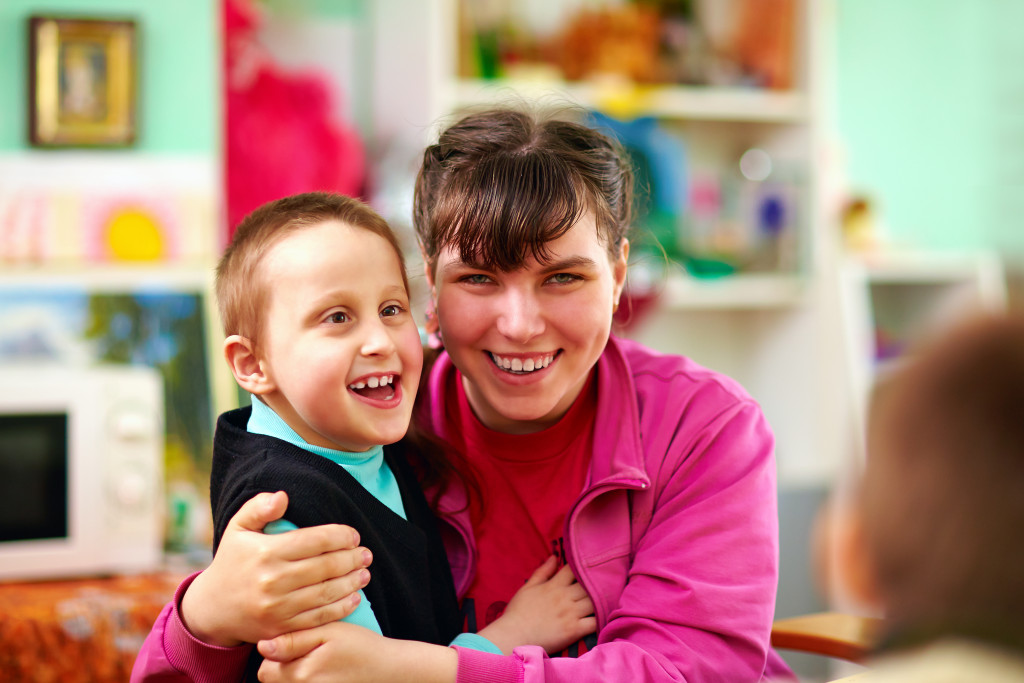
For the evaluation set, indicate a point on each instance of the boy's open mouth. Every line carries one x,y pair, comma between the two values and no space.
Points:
378,387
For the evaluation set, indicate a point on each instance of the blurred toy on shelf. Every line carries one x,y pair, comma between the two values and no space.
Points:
859,226
725,43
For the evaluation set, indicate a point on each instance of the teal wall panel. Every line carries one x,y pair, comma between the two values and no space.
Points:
179,78
931,116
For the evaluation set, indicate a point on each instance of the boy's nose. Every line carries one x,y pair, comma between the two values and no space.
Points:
378,340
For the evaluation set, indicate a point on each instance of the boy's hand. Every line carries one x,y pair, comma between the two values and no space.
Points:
260,586
550,610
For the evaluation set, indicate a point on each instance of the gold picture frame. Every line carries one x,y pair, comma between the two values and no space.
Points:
82,82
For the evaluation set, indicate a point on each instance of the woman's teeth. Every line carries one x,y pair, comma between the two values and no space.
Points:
522,365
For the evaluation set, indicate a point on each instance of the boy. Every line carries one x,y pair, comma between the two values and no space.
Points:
938,518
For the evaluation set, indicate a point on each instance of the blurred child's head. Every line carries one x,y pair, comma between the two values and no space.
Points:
314,300
942,499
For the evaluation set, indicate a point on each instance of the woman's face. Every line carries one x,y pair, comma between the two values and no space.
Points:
526,340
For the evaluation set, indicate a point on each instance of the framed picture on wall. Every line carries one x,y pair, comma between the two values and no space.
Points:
82,82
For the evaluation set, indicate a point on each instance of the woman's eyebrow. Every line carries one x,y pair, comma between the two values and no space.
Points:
568,263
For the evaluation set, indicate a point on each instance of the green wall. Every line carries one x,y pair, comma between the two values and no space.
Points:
931,115
179,81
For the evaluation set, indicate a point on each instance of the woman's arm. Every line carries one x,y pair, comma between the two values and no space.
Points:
257,586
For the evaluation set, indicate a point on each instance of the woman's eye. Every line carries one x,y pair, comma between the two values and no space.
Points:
564,278
338,317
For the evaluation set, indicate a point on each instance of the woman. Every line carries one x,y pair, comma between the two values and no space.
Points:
653,477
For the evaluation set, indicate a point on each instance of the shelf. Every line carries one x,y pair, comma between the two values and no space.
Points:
669,102
923,268
110,277
733,292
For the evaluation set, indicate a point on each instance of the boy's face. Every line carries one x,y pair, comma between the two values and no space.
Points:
340,349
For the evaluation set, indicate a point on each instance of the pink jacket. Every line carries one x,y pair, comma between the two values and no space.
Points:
675,537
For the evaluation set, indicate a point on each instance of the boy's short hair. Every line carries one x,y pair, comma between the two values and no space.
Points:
943,492
241,292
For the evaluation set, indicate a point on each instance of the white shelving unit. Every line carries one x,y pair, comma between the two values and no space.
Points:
893,301
664,102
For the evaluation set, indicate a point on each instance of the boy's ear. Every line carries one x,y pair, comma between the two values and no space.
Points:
246,366
856,564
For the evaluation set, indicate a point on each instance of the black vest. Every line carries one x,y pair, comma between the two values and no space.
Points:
411,590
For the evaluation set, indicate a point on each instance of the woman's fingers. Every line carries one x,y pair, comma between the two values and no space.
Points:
290,646
259,511
329,600
313,541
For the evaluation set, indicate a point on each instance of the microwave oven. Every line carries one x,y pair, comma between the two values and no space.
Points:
81,471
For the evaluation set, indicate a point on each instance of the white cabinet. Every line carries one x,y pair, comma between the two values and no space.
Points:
893,301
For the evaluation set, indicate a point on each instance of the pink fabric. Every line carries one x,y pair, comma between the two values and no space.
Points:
675,538
170,653
282,135
531,481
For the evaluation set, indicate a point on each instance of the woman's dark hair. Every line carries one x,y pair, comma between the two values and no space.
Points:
502,183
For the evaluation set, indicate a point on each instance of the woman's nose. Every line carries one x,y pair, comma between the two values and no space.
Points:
520,318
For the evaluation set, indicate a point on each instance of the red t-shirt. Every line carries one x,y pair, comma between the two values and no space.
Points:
529,482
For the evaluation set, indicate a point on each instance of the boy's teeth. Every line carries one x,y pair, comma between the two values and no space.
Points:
373,382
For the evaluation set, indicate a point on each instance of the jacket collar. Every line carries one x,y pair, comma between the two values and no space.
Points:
618,451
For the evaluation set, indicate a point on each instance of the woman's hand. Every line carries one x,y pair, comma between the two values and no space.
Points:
338,652
551,610
261,585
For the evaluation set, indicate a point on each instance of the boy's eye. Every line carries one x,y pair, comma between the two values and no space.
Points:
338,317
390,311
476,279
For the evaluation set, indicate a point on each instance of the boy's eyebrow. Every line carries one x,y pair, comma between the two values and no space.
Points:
330,297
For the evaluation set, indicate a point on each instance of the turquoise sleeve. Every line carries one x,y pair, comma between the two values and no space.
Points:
475,641
363,613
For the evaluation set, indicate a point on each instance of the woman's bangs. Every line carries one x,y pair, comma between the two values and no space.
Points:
510,207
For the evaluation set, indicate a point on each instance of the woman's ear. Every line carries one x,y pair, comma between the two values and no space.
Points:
246,366
619,268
